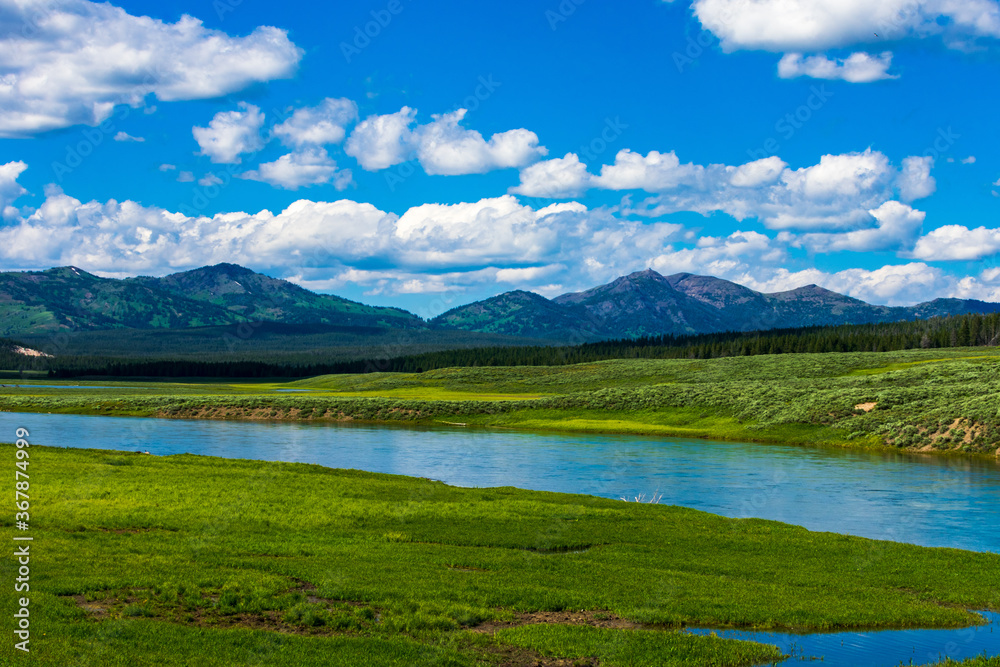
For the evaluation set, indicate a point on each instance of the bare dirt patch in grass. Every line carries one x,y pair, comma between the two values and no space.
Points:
515,656
202,610
97,610
594,618
509,655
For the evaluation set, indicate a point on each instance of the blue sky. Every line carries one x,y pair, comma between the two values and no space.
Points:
456,151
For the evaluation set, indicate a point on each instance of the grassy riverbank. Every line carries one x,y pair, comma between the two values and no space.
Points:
921,400
142,560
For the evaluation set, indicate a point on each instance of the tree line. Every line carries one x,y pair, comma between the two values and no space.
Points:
939,332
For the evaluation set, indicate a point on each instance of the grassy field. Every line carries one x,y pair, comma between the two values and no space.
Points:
925,400
142,560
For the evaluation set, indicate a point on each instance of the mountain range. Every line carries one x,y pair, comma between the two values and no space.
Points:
647,303
68,298
641,303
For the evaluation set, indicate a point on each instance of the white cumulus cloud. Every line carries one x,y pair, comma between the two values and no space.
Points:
729,257
231,133
310,166
68,62
797,27
654,172
480,232
836,193
897,227
958,242
858,67
557,178
818,25
10,189
444,147
757,173
322,124
915,180
379,142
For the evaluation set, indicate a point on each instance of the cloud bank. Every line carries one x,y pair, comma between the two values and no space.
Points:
837,193
475,245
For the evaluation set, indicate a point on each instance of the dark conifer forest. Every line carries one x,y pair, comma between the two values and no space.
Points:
940,332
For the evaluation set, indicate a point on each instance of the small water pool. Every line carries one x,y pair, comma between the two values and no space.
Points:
882,648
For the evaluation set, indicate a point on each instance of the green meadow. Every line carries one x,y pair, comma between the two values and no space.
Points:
191,560
918,400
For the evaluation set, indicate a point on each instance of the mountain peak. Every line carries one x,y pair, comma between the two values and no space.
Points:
69,271
226,267
647,273
520,313
813,290
642,303
223,269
